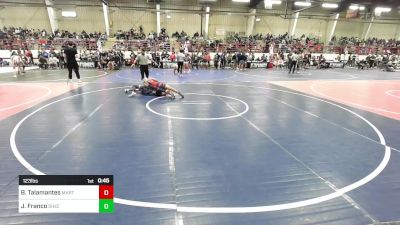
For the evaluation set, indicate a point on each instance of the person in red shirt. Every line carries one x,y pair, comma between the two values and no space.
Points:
172,57
207,59
161,88
28,55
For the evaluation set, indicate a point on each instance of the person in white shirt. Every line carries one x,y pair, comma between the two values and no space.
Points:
143,61
16,62
294,60
180,58
53,62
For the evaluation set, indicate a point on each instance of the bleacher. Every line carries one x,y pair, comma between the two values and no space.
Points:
86,43
147,45
234,43
14,43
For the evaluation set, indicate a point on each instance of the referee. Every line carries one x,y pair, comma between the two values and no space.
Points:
180,58
143,62
70,53
294,58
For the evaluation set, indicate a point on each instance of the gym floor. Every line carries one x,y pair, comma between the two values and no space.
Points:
242,148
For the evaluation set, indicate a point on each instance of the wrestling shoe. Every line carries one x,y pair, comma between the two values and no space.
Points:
171,96
132,94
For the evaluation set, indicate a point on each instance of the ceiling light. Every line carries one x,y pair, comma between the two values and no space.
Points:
354,7
382,9
302,4
68,13
273,2
268,3
330,5
168,16
258,19
357,7
241,1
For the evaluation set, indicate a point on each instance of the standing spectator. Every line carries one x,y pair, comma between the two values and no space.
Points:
242,60
207,59
172,57
103,60
24,60
229,60
195,61
235,60
132,59
95,58
70,53
29,56
216,60
223,60
188,62
16,62
62,60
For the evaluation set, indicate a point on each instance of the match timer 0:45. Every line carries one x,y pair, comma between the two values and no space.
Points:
66,194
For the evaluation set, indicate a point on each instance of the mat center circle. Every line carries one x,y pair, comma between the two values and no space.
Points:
203,106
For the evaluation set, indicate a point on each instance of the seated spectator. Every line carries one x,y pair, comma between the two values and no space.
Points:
323,64
43,63
362,64
53,62
195,61
164,55
389,67
281,63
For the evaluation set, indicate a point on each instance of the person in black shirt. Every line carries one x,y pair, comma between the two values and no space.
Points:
223,60
70,53
216,60
62,60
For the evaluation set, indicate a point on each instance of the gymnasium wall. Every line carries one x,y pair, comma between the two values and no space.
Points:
32,17
313,27
271,25
355,29
183,16
189,22
89,19
231,23
386,31
127,19
349,29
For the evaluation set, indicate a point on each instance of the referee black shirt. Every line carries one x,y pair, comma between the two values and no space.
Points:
70,55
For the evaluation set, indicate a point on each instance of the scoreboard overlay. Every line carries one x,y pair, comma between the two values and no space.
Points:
66,193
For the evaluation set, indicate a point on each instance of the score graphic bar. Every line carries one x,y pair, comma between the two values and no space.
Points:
66,194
